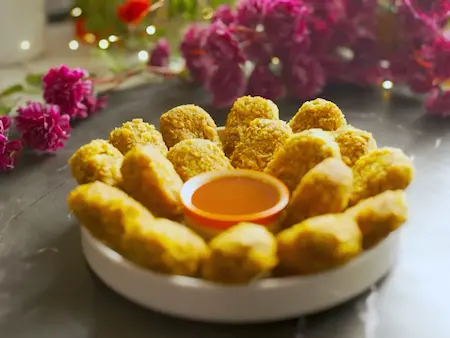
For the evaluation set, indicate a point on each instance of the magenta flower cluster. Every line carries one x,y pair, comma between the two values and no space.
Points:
297,47
68,95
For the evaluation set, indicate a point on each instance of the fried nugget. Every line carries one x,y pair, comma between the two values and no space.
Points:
187,122
319,243
240,254
299,154
378,216
150,178
244,111
136,133
354,143
319,113
195,156
259,142
107,212
380,170
167,247
325,189
96,161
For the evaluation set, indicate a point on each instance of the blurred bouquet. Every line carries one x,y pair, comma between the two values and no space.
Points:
277,47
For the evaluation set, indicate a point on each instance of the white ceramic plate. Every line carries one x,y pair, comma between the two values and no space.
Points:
266,300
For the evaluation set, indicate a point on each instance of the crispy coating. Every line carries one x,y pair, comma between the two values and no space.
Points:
354,143
96,161
136,133
244,111
167,247
151,179
240,254
378,216
325,189
319,243
318,113
195,156
380,170
187,122
259,142
107,212
299,154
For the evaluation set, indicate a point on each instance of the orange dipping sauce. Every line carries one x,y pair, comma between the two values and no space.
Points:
234,195
215,201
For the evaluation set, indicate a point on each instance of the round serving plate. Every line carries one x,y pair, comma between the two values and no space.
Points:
265,300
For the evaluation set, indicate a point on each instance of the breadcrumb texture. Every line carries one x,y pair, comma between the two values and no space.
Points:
96,161
354,143
379,216
167,247
318,113
136,133
325,189
299,154
195,156
108,213
240,255
187,122
150,178
259,142
381,170
244,110
318,244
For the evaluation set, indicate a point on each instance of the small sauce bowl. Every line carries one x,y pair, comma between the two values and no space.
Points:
216,201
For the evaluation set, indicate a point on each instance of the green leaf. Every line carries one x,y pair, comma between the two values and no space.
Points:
4,109
17,88
34,80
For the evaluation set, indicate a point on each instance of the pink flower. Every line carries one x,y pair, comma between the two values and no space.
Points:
249,13
9,149
224,14
441,57
262,82
197,62
221,45
305,77
94,103
227,83
159,56
67,88
5,123
438,102
409,71
284,20
43,127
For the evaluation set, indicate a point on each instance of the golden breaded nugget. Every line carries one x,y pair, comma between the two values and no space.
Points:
380,170
167,247
259,142
319,113
319,243
244,111
187,122
325,189
107,212
195,156
151,179
136,133
299,154
96,161
353,143
240,254
378,216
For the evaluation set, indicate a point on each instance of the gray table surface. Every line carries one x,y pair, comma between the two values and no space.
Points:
47,291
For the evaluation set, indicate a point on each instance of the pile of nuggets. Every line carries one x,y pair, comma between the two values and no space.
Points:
347,194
